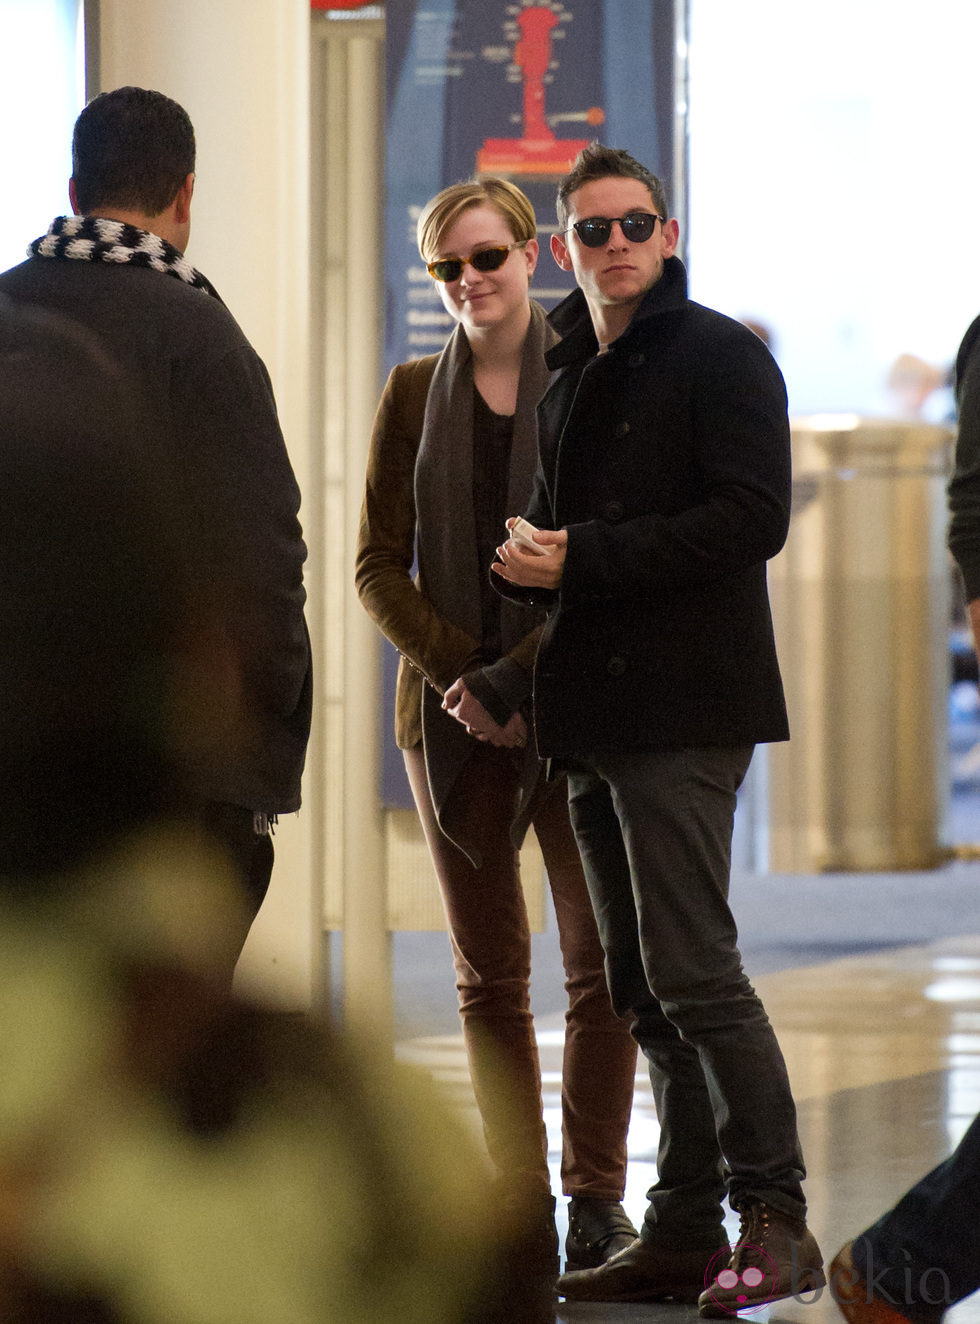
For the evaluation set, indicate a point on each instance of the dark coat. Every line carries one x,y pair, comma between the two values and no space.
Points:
668,461
218,446
964,487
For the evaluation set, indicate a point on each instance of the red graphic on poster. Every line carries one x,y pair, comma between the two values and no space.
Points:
538,152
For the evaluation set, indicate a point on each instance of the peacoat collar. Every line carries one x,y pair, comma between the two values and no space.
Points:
573,322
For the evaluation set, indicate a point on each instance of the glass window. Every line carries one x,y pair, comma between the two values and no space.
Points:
833,195
42,89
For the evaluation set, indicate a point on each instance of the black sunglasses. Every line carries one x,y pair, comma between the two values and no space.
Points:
637,226
487,259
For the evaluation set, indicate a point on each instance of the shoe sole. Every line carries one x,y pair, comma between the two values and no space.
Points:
573,1265
682,1295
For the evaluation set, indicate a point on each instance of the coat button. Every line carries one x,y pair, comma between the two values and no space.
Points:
616,666
612,510
622,429
637,360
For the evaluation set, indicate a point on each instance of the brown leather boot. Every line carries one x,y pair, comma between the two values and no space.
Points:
775,1256
642,1272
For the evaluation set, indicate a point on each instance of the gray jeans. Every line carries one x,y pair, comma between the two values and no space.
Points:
654,829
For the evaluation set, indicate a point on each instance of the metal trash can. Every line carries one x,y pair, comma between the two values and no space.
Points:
861,606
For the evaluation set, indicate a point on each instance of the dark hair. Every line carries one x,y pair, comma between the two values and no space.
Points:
599,162
131,148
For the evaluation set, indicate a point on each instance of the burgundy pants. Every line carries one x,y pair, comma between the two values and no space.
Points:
491,943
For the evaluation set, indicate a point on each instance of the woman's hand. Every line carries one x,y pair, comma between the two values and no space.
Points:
468,710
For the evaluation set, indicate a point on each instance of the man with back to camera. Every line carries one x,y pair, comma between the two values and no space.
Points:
663,488
117,267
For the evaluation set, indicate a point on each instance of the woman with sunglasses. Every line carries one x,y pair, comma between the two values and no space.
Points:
453,451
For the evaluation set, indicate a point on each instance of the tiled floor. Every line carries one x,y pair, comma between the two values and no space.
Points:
883,1048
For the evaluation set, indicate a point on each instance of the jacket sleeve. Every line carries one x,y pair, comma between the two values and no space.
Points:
964,487
250,544
741,447
386,540
505,686
539,513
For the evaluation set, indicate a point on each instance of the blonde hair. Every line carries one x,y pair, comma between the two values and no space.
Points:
441,212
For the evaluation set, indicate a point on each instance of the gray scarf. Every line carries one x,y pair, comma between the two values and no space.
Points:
447,552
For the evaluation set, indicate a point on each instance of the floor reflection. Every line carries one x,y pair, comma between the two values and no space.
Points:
883,1051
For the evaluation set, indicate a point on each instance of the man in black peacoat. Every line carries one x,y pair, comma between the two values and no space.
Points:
662,490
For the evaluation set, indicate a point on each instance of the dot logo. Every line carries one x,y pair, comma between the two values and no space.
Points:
733,1289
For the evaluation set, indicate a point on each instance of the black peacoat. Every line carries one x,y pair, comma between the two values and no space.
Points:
667,459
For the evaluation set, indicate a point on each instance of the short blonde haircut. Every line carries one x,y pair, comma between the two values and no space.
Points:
442,211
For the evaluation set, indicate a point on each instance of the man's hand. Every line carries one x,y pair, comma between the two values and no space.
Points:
529,569
462,705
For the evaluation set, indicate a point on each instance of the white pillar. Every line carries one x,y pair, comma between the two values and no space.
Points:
350,106
241,70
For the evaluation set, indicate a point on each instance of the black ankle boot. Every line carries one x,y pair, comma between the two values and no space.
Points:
597,1230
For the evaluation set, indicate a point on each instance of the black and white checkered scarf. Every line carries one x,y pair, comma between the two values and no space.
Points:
98,239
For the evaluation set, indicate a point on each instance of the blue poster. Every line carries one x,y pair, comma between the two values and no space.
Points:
491,87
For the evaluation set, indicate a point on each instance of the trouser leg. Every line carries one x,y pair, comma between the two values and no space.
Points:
675,811
685,1205
251,856
490,938
599,1058
924,1254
